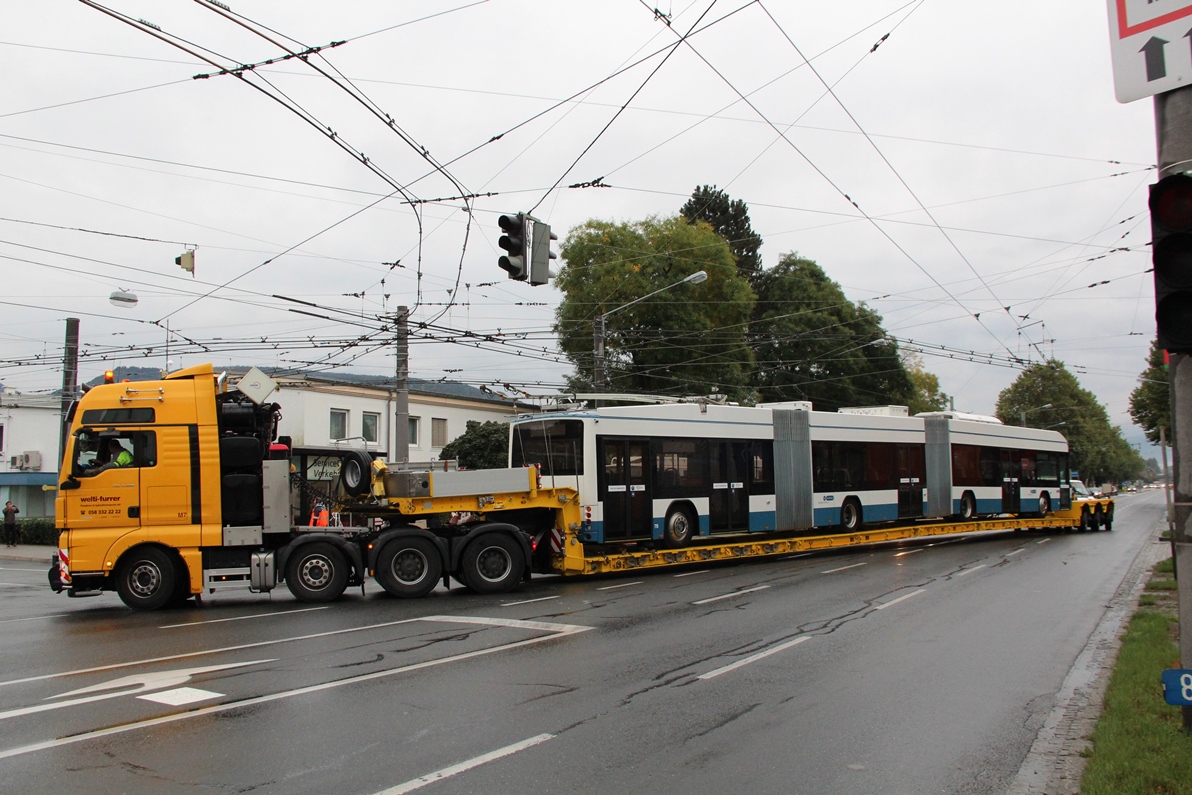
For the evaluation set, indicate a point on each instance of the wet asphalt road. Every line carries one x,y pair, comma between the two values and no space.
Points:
913,669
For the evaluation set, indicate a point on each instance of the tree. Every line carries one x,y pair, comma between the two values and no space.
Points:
481,446
814,344
927,395
1097,450
1150,402
686,340
729,218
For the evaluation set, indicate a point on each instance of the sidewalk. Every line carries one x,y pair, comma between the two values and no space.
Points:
33,553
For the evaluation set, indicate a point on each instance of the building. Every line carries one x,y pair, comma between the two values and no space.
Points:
29,437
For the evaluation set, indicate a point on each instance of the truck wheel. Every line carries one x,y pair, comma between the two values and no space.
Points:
492,563
355,473
317,572
146,579
968,507
851,516
1107,521
409,567
1085,525
679,528
1095,524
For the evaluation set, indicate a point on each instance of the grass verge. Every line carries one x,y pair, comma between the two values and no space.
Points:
1139,746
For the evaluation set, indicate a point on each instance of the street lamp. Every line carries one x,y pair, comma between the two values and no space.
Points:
598,328
1022,414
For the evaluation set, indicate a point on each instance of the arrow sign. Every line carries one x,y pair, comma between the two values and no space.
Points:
1156,67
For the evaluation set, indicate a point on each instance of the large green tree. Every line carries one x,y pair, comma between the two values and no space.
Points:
813,343
687,340
1046,395
729,218
483,445
1150,402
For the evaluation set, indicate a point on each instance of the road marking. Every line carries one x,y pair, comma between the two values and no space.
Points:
34,571
34,618
842,568
907,552
1015,552
462,767
800,555
969,571
622,585
530,601
558,630
20,585
1043,541
730,595
689,573
753,658
892,602
245,618
180,696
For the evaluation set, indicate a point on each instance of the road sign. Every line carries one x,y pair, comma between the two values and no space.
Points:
1177,687
1151,44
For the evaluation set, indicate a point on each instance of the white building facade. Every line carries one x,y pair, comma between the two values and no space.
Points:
29,437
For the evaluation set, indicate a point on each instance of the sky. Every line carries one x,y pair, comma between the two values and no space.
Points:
962,168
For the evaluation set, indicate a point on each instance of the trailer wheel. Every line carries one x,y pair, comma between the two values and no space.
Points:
1084,520
409,567
679,528
317,572
146,579
968,507
355,473
851,515
1107,522
1095,524
492,563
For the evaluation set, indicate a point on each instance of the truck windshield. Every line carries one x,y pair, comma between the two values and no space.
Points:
556,445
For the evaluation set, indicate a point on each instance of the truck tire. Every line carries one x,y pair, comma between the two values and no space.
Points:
492,563
146,579
679,528
409,567
317,572
1085,520
1107,521
355,473
1095,524
851,515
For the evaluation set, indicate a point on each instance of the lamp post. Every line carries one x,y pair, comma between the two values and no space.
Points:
1022,414
598,328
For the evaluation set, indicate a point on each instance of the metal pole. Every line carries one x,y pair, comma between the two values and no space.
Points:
598,356
70,383
1173,133
401,410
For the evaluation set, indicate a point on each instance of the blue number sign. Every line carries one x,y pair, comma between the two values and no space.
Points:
1177,687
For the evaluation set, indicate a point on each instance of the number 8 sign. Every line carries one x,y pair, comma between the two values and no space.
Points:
1177,687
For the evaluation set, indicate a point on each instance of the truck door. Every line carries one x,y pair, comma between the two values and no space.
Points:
628,507
163,457
728,504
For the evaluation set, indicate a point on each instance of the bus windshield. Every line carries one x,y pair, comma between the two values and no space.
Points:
555,445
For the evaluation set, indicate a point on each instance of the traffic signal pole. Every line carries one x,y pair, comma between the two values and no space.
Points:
1173,131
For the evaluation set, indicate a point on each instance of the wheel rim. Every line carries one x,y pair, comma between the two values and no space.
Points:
967,509
1044,504
493,564
409,567
315,572
145,579
849,515
680,527
352,474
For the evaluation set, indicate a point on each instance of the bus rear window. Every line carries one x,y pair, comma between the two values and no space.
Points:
556,445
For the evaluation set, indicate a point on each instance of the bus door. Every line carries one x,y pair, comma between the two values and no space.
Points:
1011,493
910,468
628,507
728,507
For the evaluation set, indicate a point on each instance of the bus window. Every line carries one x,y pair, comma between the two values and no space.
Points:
680,467
555,445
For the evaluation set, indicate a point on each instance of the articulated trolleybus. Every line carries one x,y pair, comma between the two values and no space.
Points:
675,472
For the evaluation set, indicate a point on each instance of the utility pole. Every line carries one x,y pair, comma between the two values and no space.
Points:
70,379
1173,132
401,413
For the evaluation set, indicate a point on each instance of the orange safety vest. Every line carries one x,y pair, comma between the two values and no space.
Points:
319,518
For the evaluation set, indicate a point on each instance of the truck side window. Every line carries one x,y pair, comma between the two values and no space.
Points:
97,452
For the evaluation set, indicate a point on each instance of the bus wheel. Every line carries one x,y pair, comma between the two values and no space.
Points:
492,563
679,528
1044,504
409,567
146,579
968,507
317,572
851,516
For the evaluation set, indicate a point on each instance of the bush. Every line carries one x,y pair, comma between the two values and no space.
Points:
37,531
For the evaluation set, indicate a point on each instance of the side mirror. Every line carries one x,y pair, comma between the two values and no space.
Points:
68,484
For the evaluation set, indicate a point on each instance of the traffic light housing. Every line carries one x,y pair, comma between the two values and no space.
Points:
541,255
516,242
1171,253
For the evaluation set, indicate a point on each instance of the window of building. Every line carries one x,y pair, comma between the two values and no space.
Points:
438,432
414,423
370,423
339,424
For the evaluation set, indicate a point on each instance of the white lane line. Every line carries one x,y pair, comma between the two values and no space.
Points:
842,568
34,618
1015,552
462,767
245,618
969,571
19,585
559,631
622,585
893,602
529,601
730,595
800,555
180,696
690,573
753,658
907,552
1043,541
32,571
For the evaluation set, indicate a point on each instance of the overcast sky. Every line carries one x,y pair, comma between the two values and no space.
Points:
994,176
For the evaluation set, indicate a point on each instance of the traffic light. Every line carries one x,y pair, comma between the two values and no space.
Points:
515,241
541,255
1171,254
